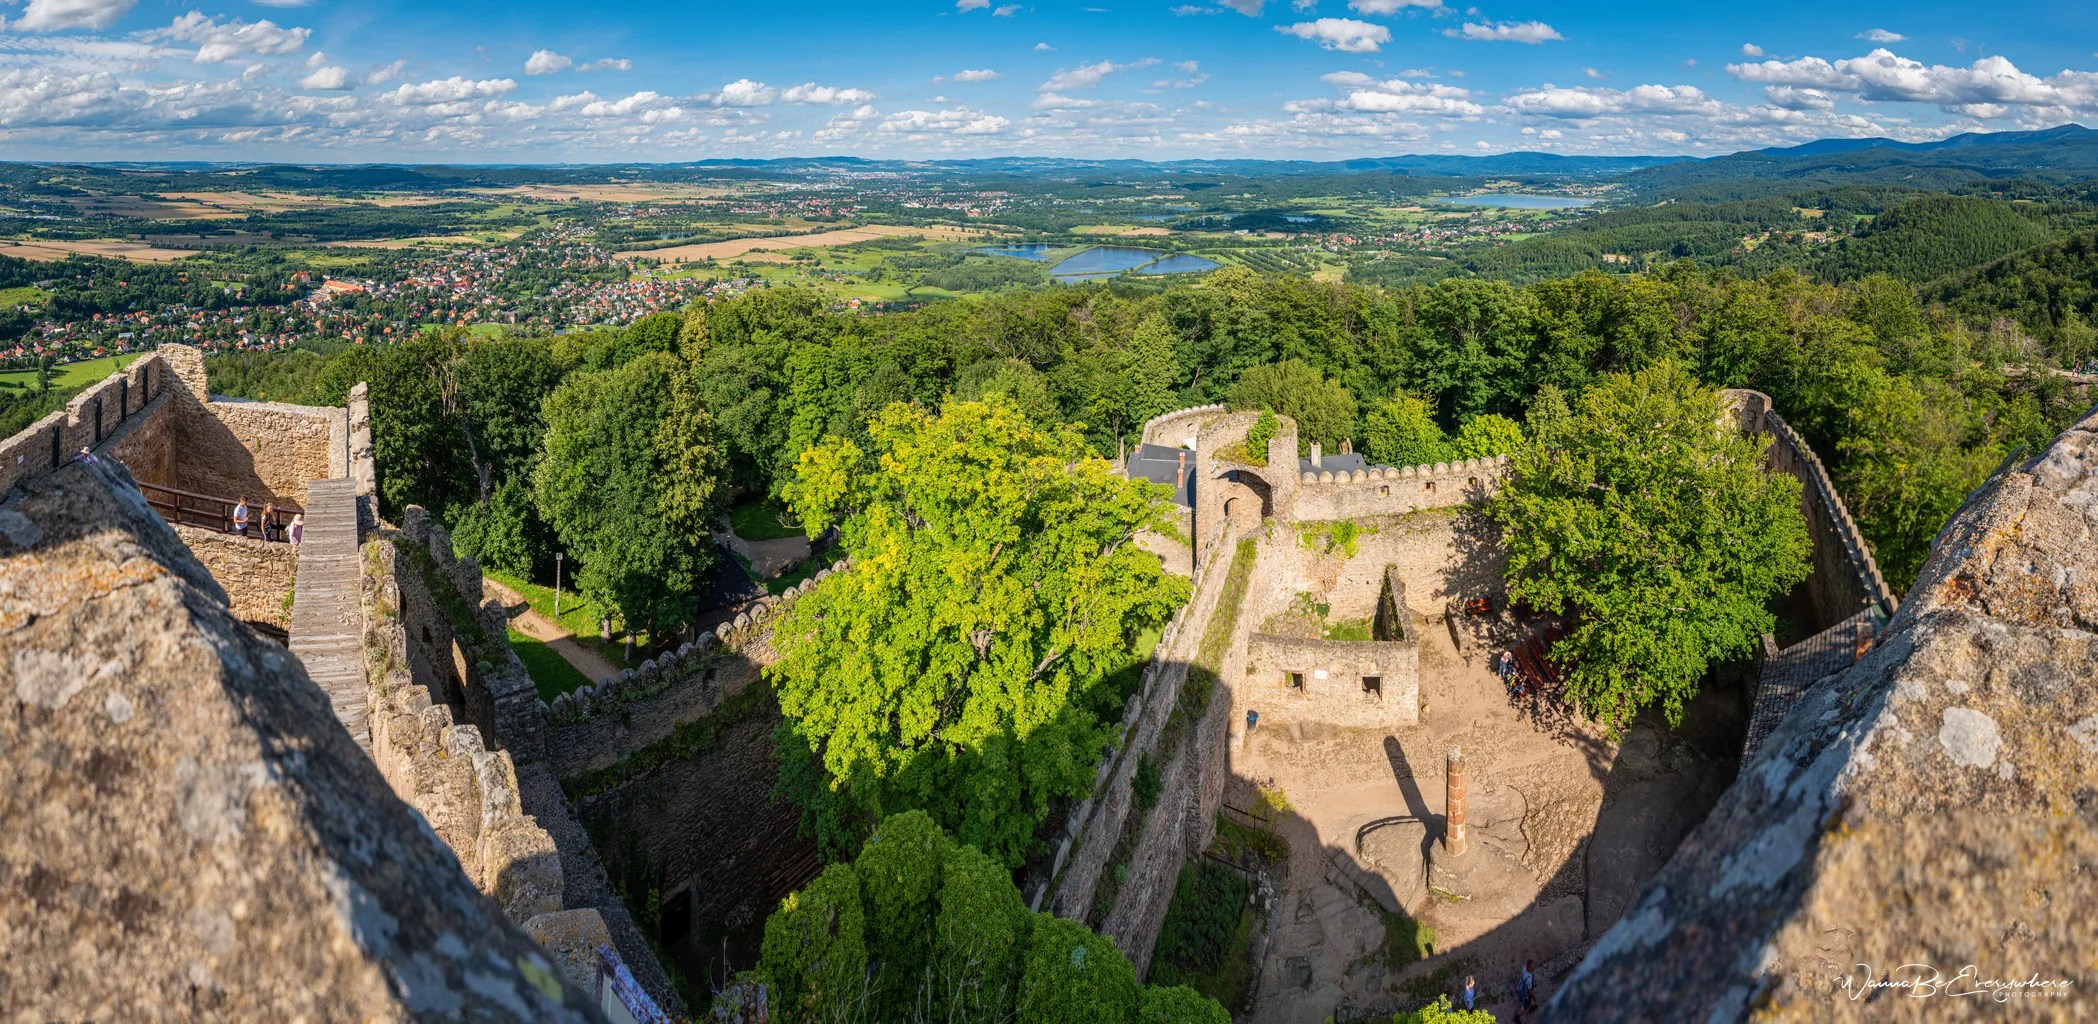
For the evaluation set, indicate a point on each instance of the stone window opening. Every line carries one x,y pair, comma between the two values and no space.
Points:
1295,680
1384,491
1472,483
1428,488
1373,687
426,633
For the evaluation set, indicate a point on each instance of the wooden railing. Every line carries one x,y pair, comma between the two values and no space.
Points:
188,508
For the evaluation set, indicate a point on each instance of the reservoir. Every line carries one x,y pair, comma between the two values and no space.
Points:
1103,261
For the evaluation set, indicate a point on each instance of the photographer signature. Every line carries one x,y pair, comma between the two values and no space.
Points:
1922,981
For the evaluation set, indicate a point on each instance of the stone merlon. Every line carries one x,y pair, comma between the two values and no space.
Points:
189,832
1934,804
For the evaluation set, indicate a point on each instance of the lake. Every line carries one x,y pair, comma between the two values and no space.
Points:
1517,201
1103,261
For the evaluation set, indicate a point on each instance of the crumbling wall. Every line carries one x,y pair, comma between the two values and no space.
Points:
465,790
1932,805
1180,428
189,829
466,642
257,576
1343,682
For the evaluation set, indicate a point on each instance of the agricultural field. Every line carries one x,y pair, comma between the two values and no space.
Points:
844,236
52,249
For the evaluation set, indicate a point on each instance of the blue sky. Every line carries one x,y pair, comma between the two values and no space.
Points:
544,81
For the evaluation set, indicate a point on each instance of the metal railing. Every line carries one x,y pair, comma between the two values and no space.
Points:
188,508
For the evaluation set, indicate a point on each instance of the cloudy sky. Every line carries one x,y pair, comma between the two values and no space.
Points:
546,81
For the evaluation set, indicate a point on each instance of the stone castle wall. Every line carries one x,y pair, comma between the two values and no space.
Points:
257,576
1328,496
1182,821
608,721
1179,429
1328,680
444,768
265,451
91,418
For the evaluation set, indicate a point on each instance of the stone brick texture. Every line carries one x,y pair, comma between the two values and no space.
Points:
190,832
257,576
1934,804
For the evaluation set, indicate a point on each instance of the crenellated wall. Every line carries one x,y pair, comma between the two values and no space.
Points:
1384,491
606,722
1179,429
441,767
93,417
1846,580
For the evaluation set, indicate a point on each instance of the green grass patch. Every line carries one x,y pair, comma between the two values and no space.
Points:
26,295
71,375
578,616
761,520
1407,941
550,672
1206,942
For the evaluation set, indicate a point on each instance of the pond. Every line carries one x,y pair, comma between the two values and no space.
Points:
1517,201
1037,251
1103,261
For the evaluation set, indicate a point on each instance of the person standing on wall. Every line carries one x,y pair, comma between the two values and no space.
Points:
269,521
240,517
298,528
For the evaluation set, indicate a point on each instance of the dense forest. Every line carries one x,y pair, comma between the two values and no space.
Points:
1911,405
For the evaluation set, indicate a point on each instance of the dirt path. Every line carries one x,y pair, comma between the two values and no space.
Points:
532,624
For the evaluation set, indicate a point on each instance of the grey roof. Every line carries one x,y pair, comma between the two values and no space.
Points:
1337,462
1161,465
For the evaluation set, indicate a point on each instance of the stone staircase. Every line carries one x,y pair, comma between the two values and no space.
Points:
327,616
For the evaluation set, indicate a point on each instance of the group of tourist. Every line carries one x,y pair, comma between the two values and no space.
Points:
269,526
1525,992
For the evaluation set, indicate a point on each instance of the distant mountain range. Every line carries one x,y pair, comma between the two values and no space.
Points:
2054,156
2065,154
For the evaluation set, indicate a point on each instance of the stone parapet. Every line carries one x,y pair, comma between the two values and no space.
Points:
1930,805
257,575
88,420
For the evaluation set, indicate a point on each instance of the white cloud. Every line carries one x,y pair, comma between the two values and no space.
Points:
1085,76
60,15
1059,101
1591,72
1877,35
745,93
810,92
546,62
1578,103
607,64
450,90
1344,34
1399,96
283,3
329,78
975,75
1249,8
1006,11
383,75
1044,48
957,121
1793,97
218,42
1387,6
1991,87
1532,32
1751,50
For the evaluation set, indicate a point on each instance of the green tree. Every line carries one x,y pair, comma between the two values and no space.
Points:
1401,431
899,871
503,532
1549,418
1323,409
1441,1012
920,929
814,956
628,479
1179,1005
1658,533
1487,435
957,666
979,932
1072,975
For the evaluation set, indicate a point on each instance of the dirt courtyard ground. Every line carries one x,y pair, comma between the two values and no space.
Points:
1566,827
